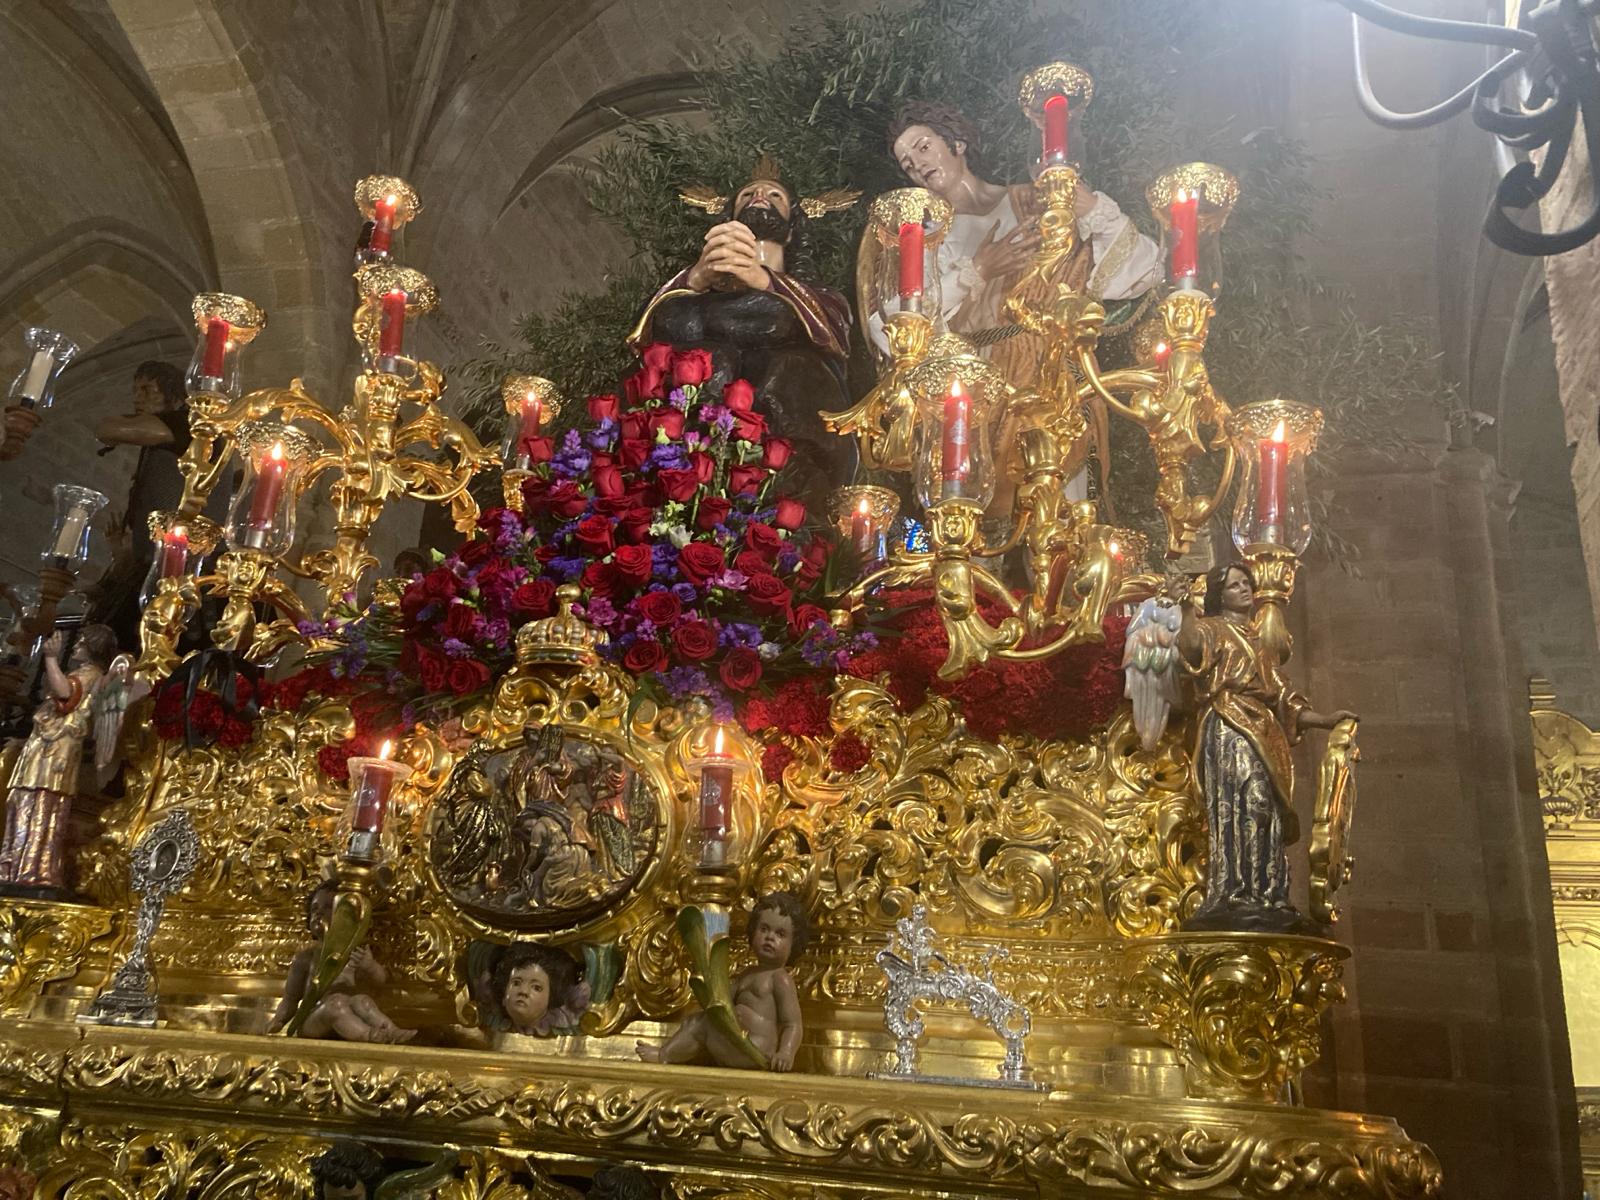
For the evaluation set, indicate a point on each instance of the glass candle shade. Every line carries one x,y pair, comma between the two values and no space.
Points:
1191,203
373,785
76,509
907,225
957,396
864,516
393,298
261,516
49,353
387,203
224,326
718,833
1272,439
180,546
532,403
1048,97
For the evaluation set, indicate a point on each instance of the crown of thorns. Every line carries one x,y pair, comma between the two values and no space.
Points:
710,201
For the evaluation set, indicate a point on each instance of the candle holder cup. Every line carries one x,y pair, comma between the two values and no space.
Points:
76,509
366,833
721,830
226,324
1191,203
864,515
908,226
387,203
531,402
262,515
957,396
391,296
33,390
1048,96
1271,440
181,545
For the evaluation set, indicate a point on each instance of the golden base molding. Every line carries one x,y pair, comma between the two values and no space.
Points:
785,1129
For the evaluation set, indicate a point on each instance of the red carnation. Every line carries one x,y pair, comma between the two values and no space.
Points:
644,656
677,483
739,396
604,408
764,540
774,760
534,599
791,514
775,452
607,481
741,669
633,564
849,754
660,608
713,511
768,594
467,675
432,668
668,419
695,641
699,561
746,480
594,536
691,366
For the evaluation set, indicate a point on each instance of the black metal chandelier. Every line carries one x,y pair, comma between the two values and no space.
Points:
1550,63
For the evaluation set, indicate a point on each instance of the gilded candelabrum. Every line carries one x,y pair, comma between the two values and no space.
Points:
216,410
174,599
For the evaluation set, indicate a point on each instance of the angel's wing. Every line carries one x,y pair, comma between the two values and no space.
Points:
1150,668
831,201
110,703
706,199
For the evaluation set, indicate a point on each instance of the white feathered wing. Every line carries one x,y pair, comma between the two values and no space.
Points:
1150,668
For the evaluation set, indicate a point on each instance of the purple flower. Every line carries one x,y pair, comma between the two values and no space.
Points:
456,648
682,682
733,581
667,454
570,464
685,592
600,611
678,399
565,569
602,435
738,633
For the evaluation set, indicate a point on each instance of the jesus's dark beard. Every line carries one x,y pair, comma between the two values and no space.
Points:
768,224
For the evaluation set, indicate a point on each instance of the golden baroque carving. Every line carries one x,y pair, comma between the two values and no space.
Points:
1243,1011
41,942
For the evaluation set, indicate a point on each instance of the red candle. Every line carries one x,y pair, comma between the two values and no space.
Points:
174,552
1055,129
217,331
392,333
383,224
1273,482
955,464
532,418
862,534
1184,214
270,474
716,789
910,260
372,794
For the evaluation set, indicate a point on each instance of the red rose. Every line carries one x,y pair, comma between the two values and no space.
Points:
768,594
803,616
614,506
677,484
565,500
440,584
432,667
660,608
534,599
775,452
691,366
413,600
644,384
490,518
594,536
750,562
746,480
604,408
538,449
791,514
813,559
668,419
713,511
601,580
704,466
644,656
458,622
476,552
607,482
695,641
467,675
601,458
749,426
739,396
741,669
634,525
657,356
635,425
699,561
535,489
632,564
764,540
633,452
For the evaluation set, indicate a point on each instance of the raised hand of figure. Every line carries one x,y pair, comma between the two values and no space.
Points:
118,535
52,646
1316,720
731,252
1001,258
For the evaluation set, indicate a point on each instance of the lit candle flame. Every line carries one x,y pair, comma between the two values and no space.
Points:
276,453
1113,547
716,746
1279,432
391,201
397,292
955,387
863,507
178,531
386,749
1161,350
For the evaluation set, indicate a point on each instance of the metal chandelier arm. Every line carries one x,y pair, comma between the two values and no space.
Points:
1440,29
1427,117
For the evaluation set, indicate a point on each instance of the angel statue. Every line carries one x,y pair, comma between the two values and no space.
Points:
1247,716
88,697
752,300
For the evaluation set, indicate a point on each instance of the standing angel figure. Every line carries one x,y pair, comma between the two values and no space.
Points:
45,778
1247,716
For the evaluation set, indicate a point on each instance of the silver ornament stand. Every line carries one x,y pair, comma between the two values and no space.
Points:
163,860
919,974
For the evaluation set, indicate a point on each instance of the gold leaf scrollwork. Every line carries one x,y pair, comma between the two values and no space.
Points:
40,942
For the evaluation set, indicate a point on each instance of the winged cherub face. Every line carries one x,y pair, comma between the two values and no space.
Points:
527,997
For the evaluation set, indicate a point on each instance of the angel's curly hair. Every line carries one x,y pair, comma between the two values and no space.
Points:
950,123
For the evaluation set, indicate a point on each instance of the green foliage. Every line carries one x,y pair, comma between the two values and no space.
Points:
822,107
